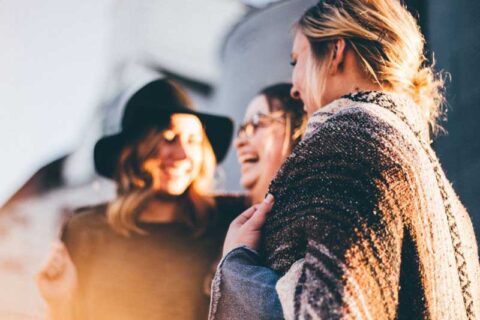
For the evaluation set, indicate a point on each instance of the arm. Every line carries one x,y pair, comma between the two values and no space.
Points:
242,288
57,282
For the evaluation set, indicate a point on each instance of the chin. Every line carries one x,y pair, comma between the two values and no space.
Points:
247,184
252,192
176,190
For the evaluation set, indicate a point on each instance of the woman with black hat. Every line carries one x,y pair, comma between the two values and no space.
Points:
149,252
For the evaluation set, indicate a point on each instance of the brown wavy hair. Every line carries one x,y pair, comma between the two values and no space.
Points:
135,185
388,43
279,99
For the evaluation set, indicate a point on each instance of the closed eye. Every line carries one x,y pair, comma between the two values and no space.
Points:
195,139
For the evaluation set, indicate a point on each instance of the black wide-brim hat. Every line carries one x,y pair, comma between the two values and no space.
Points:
151,107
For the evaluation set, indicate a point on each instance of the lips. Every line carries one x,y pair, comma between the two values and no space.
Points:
248,158
176,171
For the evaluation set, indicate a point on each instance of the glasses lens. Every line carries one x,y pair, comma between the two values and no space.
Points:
250,129
247,130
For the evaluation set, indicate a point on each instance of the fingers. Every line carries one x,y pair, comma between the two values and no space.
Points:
245,216
258,219
245,229
56,262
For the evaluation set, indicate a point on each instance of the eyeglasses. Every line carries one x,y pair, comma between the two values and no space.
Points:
259,120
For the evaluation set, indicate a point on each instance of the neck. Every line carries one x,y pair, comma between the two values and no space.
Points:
351,78
351,87
359,84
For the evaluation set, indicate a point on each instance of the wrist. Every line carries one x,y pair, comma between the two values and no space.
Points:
240,248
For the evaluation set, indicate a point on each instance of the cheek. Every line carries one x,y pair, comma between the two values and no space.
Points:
297,78
301,71
196,158
164,153
271,149
258,141
151,166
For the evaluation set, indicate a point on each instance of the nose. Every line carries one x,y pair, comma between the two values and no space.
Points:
240,141
178,151
294,93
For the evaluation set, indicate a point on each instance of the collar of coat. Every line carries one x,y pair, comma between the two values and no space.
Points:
400,105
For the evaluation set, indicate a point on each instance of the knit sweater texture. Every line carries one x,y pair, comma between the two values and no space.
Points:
365,209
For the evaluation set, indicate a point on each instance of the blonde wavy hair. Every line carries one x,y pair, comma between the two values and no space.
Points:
388,43
135,186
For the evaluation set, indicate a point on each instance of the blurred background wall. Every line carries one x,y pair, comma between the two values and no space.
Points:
453,30
64,64
54,63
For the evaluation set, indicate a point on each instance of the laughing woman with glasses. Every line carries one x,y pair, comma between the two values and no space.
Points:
274,124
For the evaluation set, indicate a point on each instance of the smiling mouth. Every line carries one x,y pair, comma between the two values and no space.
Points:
248,159
175,173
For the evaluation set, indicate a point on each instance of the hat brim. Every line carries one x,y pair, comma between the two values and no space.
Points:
219,130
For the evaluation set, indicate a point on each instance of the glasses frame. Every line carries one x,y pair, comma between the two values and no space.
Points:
259,120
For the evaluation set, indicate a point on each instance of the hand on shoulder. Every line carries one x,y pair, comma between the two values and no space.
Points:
246,228
57,278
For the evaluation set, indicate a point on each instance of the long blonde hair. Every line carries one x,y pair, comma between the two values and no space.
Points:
135,186
388,43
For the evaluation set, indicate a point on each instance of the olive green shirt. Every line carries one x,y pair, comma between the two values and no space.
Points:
165,274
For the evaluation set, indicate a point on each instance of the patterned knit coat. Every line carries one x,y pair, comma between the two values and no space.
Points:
365,224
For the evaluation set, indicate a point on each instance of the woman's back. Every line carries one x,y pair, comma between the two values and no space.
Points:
367,205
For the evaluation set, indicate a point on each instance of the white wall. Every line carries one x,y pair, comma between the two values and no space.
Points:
57,56
53,64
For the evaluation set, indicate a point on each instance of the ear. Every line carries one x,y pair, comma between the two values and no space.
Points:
338,56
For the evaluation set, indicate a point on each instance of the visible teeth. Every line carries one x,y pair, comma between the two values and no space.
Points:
248,158
175,171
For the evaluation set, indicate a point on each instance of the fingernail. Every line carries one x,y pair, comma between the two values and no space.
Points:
269,198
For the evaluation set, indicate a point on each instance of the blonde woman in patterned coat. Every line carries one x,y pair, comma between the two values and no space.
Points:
363,223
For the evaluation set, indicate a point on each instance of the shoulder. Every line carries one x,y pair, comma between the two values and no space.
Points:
84,231
358,118
85,221
371,112
347,134
358,139
89,216
360,129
